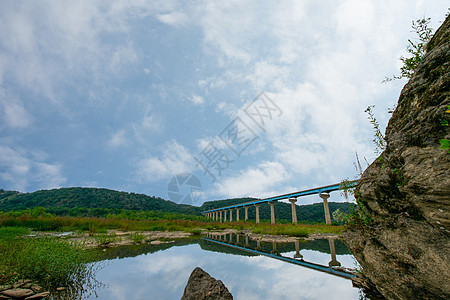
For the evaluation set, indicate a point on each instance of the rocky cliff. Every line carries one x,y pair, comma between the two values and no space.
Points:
404,249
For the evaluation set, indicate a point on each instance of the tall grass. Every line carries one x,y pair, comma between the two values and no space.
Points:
295,230
101,225
49,261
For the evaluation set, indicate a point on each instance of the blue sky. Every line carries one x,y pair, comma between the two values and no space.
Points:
128,94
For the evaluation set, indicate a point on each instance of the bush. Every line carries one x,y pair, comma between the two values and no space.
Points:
137,237
49,261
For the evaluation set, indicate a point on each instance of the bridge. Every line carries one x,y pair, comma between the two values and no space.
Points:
333,268
220,214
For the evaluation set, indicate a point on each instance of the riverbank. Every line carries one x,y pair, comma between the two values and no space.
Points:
116,238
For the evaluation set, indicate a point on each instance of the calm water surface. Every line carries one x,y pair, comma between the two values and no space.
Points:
162,271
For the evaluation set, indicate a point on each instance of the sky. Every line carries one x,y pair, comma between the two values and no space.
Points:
193,101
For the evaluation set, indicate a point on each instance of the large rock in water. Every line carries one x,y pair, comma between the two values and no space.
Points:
405,250
201,286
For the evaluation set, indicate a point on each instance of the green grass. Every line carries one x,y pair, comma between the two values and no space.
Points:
49,261
101,225
295,230
137,237
196,231
104,239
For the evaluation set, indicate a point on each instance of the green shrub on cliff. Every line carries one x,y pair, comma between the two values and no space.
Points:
416,49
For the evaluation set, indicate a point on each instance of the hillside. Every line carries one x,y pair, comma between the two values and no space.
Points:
93,198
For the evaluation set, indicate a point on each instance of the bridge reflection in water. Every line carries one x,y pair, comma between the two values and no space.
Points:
242,242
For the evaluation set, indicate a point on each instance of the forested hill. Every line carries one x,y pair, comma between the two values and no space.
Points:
99,202
93,198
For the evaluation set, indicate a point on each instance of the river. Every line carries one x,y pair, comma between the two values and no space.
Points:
161,271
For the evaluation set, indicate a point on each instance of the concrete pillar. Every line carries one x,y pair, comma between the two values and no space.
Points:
274,249
272,212
220,216
324,197
257,213
237,239
225,216
246,212
333,262
237,213
297,250
246,241
258,245
294,212
231,215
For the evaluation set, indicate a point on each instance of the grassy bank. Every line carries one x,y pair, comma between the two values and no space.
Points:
42,221
49,261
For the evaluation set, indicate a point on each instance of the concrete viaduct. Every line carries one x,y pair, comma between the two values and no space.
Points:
220,214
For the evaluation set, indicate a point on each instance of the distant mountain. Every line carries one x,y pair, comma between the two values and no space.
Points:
99,202
77,197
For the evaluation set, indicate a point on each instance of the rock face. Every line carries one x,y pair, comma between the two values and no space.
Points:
406,248
201,286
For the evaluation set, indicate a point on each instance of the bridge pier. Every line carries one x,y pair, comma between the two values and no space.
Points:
246,212
257,213
294,212
246,241
216,215
272,212
297,250
324,197
237,213
333,262
231,215
274,249
220,216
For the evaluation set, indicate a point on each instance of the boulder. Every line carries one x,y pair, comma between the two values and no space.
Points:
18,293
404,247
201,286
38,296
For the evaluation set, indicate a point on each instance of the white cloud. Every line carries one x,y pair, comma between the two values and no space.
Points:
122,57
19,170
139,132
13,112
173,18
174,159
257,182
118,139
197,100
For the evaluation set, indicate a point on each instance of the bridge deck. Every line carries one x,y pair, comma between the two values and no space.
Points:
327,189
